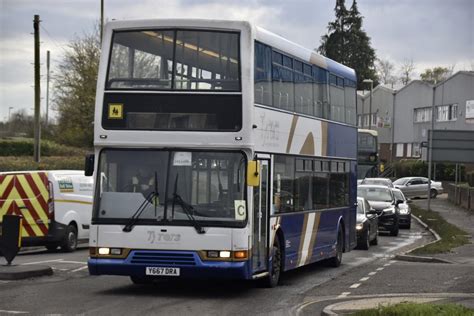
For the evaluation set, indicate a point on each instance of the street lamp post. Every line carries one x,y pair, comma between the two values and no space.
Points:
370,102
9,113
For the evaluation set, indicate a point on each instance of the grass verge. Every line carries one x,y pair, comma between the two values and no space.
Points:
451,236
409,309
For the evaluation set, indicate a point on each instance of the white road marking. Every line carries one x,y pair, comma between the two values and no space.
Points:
372,273
12,312
38,262
387,264
354,286
79,269
78,262
379,269
344,294
364,279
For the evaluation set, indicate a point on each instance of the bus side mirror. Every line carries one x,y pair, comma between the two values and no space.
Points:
253,173
89,165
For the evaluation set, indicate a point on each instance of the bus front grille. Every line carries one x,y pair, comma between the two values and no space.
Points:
163,258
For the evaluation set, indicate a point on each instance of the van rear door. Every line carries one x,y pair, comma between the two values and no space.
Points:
26,194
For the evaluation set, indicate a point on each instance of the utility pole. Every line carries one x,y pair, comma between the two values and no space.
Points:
430,145
37,127
101,19
47,86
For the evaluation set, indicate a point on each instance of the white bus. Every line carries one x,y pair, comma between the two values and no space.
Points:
221,150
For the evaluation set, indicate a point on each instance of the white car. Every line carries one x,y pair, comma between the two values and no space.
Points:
56,206
418,187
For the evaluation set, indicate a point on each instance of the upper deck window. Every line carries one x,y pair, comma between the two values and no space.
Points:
174,60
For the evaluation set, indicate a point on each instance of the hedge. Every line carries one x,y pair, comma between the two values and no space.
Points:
419,168
470,178
47,163
24,147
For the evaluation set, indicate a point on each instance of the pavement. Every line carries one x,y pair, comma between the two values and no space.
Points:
450,288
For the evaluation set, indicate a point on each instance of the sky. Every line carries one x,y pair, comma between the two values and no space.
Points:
429,32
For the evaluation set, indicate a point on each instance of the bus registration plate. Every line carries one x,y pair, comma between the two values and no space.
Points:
162,271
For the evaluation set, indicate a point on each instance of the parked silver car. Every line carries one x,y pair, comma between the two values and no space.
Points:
418,187
377,181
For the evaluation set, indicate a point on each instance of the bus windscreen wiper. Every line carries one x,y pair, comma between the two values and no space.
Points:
187,208
134,218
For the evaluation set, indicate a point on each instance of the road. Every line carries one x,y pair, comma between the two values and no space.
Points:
72,291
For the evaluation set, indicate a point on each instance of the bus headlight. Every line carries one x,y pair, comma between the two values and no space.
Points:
224,254
104,251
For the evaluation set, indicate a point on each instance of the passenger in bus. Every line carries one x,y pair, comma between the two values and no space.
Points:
143,181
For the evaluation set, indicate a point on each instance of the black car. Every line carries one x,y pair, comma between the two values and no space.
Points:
382,199
367,225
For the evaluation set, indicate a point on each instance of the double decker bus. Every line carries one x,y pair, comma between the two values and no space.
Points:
367,154
221,150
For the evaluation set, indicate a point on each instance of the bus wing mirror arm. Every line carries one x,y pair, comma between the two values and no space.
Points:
89,165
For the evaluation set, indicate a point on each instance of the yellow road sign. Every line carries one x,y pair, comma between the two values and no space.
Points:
115,111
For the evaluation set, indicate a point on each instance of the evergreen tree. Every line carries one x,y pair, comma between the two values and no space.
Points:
348,44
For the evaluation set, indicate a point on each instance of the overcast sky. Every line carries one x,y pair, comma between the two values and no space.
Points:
430,32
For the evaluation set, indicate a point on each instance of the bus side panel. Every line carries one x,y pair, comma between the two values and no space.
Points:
292,227
342,141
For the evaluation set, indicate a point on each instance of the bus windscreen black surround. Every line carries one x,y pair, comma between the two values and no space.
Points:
179,112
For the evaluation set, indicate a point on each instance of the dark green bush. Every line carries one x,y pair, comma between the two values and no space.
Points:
47,163
419,168
24,147
470,178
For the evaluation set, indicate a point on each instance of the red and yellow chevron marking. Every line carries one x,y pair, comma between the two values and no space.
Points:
26,194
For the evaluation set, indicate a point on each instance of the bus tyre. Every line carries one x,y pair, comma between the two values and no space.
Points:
275,269
337,259
70,239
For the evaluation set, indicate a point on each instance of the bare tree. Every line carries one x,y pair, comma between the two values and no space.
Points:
385,70
406,71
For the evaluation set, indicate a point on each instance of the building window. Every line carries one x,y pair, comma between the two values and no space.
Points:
359,120
408,150
416,150
447,113
366,120
399,150
422,115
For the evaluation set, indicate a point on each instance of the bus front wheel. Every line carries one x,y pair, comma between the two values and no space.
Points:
273,277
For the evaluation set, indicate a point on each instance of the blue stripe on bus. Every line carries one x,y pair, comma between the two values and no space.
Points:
200,269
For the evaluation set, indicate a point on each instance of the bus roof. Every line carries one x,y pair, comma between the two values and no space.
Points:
261,34
368,131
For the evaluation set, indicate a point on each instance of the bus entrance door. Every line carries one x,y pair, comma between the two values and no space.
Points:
260,219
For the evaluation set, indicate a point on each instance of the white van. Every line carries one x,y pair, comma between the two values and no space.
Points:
56,206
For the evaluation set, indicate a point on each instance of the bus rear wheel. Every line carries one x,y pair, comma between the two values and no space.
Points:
337,259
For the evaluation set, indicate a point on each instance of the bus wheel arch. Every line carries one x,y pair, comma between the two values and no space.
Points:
340,246
277,253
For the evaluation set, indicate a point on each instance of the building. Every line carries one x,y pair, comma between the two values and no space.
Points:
378,116
409,112
453,106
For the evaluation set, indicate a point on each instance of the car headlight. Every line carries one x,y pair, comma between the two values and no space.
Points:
404,211
388,211
359,226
